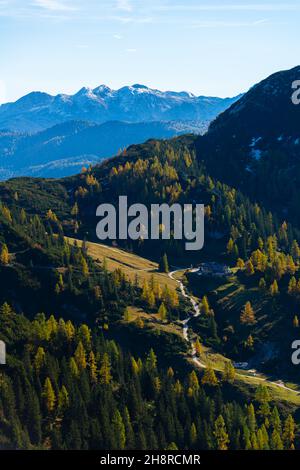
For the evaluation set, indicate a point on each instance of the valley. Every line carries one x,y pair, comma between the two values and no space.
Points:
149,232
135,266
172,354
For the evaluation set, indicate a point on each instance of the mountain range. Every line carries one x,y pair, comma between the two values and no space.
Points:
54,136
252,142
136,103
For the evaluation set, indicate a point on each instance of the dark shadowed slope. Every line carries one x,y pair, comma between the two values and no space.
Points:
255,144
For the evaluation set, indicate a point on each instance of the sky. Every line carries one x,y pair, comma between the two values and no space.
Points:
207,47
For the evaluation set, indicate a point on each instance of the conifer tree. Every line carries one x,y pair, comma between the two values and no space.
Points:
263,438
178,387
6,214
105,370
4,255
84,267
151,299
194,382
145,291
174,299
295,251
23,216
63,399
220,433
249,342
163,264
292,288
52,326
129,432
172,446
92,367
198,347
230,246
70,330
157,384
251,419
276,442
73,367
288,435
151,361
275,420
229,372
126,314
193,434
75,210
262,284
274,290
118,429
248,316
263,397
209,378
240,263
162,312
135,367
5,309
84,334
57,289
205,306
49,395
39,359
249,268
80,356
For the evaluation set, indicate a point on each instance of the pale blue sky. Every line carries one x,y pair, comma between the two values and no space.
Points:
209,47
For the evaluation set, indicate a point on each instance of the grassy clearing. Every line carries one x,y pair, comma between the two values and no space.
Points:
179,274
131,264
217,362
152,320
277,393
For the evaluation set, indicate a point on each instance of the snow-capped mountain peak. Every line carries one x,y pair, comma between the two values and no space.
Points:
134,103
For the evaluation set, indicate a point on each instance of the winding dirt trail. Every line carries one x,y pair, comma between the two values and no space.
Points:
195,313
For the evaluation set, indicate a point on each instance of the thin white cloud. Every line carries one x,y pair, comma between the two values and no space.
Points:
262,21
272,7
124,5
117,36
227,24
53,5
232,7
121,19
131,51
130,19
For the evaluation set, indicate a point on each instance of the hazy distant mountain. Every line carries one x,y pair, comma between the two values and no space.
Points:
63,149
137,103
